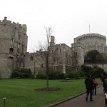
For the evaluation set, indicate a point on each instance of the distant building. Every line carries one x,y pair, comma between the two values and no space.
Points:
13,51
59,58
85,43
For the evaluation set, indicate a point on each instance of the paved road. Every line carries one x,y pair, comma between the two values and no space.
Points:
80,101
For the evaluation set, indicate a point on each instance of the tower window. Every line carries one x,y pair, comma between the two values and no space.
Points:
52,51
31,58
11,50
41,65
17,50
19,37
60,50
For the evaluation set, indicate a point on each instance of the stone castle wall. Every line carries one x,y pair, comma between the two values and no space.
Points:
87,42
92,41
13,42
13,50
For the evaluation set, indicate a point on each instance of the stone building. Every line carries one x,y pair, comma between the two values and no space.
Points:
85,43
13,44
13,51
59,58
36,62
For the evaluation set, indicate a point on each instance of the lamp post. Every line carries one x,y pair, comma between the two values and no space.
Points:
4,101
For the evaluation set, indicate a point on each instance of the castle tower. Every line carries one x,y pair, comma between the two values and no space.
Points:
13,43
87,42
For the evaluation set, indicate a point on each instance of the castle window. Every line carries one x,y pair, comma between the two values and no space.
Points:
19,37
31,58
52,51
75,54
54,60
11,50
60,50
4,24
17,50
41,65
12,39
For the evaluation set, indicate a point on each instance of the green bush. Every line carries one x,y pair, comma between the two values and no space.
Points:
41,76
95,70
56,75
52,75
75,75
22,73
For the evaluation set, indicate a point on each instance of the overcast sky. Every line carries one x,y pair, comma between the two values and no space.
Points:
68,18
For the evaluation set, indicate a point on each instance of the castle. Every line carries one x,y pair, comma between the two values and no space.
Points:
13,44
13,50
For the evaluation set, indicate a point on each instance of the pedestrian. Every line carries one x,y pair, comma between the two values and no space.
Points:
89,87
103,76
105,89
95,84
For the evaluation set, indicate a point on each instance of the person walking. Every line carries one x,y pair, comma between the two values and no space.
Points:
105,89
103,76
95,84
89,87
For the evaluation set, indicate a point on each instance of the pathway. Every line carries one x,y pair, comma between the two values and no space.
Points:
80,101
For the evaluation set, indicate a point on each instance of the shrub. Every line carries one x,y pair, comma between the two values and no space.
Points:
22,73
56,75
41,76
95,71
52,75
75,75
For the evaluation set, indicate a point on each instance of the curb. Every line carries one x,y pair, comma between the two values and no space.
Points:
52,105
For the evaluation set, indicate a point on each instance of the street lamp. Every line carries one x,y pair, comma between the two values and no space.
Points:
4,101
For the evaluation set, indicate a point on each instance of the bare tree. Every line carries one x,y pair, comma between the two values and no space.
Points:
45,50
48,34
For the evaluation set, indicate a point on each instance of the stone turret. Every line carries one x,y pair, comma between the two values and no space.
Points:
87,42
52,41
5,18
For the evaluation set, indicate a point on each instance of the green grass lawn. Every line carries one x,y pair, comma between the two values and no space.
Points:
21,92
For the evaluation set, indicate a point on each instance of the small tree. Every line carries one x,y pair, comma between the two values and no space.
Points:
45,50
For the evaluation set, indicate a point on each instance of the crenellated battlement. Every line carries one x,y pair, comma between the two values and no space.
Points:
91,36
23,27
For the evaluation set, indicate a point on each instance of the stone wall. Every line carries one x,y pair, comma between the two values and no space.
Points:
87,42
36,62
92,41
13,43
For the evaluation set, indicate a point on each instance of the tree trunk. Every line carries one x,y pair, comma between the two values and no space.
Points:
47,70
